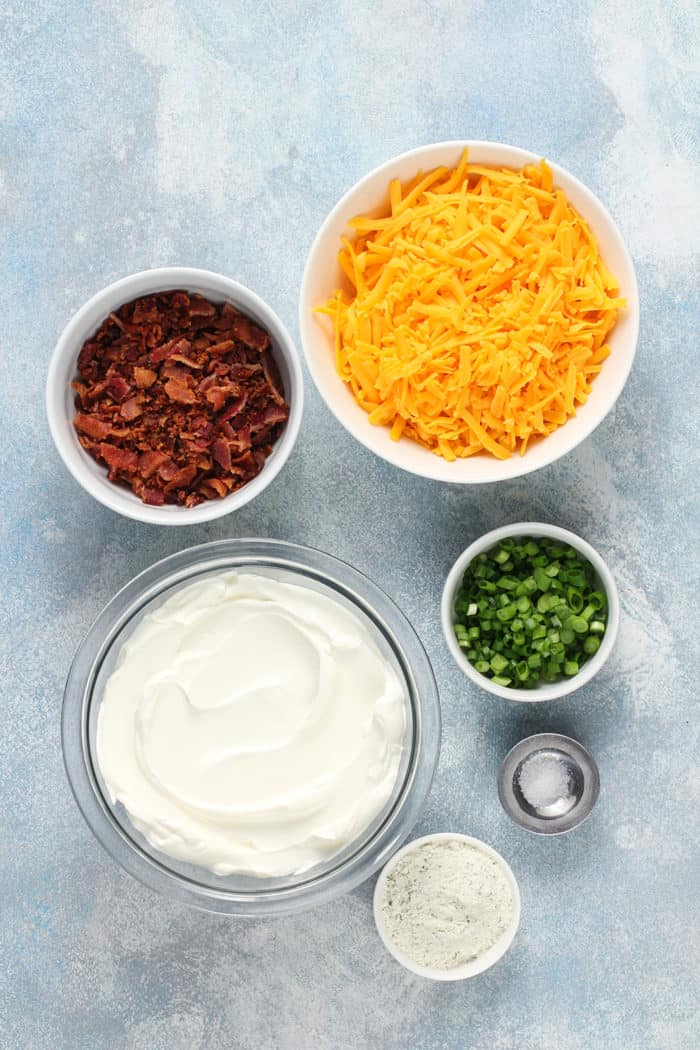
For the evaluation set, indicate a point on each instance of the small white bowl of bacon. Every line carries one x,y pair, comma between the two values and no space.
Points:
174,396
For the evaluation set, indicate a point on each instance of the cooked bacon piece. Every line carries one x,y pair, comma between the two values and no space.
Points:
222,454
92,426
179,398
223,347
95,392
217,396
119,458
241,440
118,388
117,321
201,307
145,311
131,409
228,312
185,361
250,333
165,350
214,487
267,418
235,408
203,461
144,377
240,371
168,470
86,357
177,391
272,376
183,479
151,461
202,427
244,464
153,496
170,370
260,455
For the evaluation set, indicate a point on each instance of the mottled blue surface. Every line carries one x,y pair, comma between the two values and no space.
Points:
219,134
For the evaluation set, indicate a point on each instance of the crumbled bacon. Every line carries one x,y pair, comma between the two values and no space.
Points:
185,361
221,451
267,417
119,458
183,479
144,377
215,484
272,377
92,426
153,496
178,391
223,347
171,370
179,398
217,396
168,470
150,462
250,333
234,408
200,307
130,409
118,388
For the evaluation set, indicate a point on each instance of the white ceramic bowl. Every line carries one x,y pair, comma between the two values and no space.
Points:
476,966
323,275
548,691
60,406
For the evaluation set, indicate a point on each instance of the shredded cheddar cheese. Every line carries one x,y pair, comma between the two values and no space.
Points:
479,310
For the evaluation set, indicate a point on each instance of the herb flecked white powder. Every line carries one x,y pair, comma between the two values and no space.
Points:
445,903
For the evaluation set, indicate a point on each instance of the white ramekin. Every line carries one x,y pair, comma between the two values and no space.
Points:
60,407
548,691
475,966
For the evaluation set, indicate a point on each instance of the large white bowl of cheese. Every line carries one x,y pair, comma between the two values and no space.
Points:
323,275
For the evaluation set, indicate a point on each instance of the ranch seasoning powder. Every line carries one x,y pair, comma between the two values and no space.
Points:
445,903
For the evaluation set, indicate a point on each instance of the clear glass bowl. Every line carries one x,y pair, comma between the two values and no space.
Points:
238,894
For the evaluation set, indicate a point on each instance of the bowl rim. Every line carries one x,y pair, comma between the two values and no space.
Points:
475,966
368,599
132,286
549,691
516,466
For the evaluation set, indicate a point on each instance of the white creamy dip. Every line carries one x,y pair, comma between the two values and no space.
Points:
251,726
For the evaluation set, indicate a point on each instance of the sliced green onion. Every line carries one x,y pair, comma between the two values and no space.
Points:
542,580
529,611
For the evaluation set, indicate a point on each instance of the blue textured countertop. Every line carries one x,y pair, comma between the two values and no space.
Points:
219,134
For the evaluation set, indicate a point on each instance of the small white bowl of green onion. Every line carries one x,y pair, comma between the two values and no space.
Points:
530,612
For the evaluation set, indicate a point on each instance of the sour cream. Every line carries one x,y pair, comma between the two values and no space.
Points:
251,726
